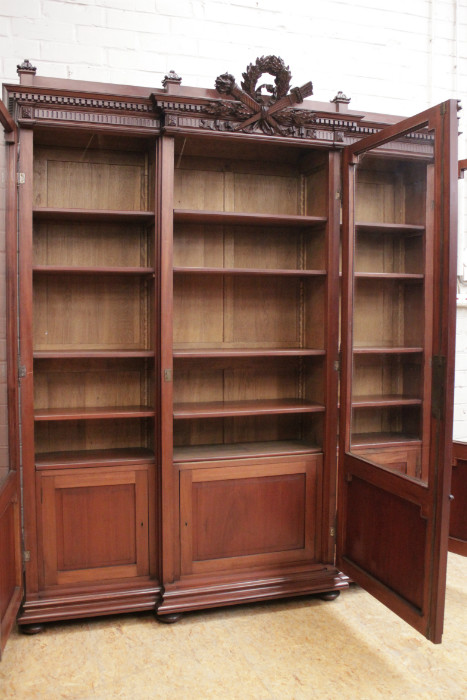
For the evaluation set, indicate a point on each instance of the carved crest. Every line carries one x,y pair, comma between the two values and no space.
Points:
267,112
273,65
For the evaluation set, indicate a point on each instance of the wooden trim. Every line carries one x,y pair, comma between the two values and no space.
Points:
248,271
26,353
6,120
60,414
67,270
169,487
239,218
245,408
106,215
400,129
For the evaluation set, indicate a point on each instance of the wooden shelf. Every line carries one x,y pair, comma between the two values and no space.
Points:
387,400
389,228
89,354
59,414
397,350
84,215
198,453
193,353
99,458
248,271
220,409
62,269
383,440
397,276
233,218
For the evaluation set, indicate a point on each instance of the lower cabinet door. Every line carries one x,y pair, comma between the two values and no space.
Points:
93,524
249,515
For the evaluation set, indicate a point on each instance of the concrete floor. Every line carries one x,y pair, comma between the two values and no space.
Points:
302,648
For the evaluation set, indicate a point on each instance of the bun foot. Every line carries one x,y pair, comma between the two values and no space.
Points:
31,629
329,595
168,619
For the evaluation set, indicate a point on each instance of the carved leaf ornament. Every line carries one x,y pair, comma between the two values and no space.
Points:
269,112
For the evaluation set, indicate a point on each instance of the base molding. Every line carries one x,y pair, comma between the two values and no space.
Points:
47,607
186,595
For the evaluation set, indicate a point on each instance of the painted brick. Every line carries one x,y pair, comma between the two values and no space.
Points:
245,16
181,8
25,8
5,25
170,45
43,30
19,48
461,364
105,36
138,21
139,60
136,5
73,53
460,430
76,13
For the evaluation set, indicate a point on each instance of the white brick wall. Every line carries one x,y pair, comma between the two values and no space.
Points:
397,57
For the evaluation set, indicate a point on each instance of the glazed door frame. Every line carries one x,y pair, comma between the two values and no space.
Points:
11,574
403,568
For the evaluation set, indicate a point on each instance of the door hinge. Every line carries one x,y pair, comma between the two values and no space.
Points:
338,362
20,178
438,379
21,371
167,375
26,555
332,532
442,108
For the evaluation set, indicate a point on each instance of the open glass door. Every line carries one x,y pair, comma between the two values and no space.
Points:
11,588
398,335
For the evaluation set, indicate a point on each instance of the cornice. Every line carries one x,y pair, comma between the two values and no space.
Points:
274,112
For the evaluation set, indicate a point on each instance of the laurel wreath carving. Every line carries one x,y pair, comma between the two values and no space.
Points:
272,65
227,109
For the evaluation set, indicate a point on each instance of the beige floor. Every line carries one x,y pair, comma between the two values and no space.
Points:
350,648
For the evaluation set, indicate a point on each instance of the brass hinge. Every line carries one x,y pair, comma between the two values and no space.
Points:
442,108
167,375
438,378
21,371
332,532
26,555
20,178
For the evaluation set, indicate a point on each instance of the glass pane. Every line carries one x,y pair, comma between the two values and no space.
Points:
4,456
392,308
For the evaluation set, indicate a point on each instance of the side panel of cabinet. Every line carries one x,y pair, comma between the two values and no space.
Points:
11,588
249,515
94,524
11,574
458,517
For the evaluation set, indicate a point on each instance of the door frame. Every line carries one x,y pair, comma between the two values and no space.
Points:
432,499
